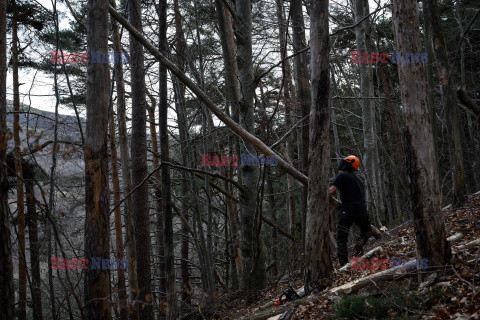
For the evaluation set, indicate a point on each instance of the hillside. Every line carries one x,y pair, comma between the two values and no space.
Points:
447,292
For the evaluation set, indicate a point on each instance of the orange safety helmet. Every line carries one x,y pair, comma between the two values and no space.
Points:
353,161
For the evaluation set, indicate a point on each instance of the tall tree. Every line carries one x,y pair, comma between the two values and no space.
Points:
139,162
97,222
300,62
429,224
125,163
233,96
183,131
304,98
250,243
22,272
6,269
368,106
449,101
166,181
122,292
318,248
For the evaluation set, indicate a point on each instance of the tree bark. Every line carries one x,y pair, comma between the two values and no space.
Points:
251,248
139,163
32,223
304,98
368,108
318,248
431,99
160,241
166,182
182,128
6,269
22,272
122,291
450,102
420,155
300,63
233,95
126,173
97,226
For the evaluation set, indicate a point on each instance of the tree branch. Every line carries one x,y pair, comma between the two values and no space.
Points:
468,102
203,97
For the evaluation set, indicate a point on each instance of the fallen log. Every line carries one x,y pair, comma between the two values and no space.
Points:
365,256
456,237
385,275
469,244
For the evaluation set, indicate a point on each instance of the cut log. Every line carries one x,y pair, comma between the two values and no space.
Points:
365,256
456,237
469,244
388,274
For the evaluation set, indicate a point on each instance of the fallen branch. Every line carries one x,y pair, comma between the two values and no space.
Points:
365,256
456,237
469,244
385,275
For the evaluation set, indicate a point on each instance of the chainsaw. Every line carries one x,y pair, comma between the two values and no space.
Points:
288,294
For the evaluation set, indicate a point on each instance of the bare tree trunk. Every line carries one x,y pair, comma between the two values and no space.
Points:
160,241
139,163
6,269
166,182
450,103
97,223
424,188
22,272
430,79
300,63
180,102
287,100
368,108
318,248
250,242
122,291
126,173
233,95
32,224
472,149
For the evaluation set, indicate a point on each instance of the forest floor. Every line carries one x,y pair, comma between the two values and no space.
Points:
446,292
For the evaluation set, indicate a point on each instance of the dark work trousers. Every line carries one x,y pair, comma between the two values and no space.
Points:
347,216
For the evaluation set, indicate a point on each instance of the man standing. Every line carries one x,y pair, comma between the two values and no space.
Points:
353,209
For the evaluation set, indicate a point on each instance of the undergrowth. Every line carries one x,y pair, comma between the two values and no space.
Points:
399,303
